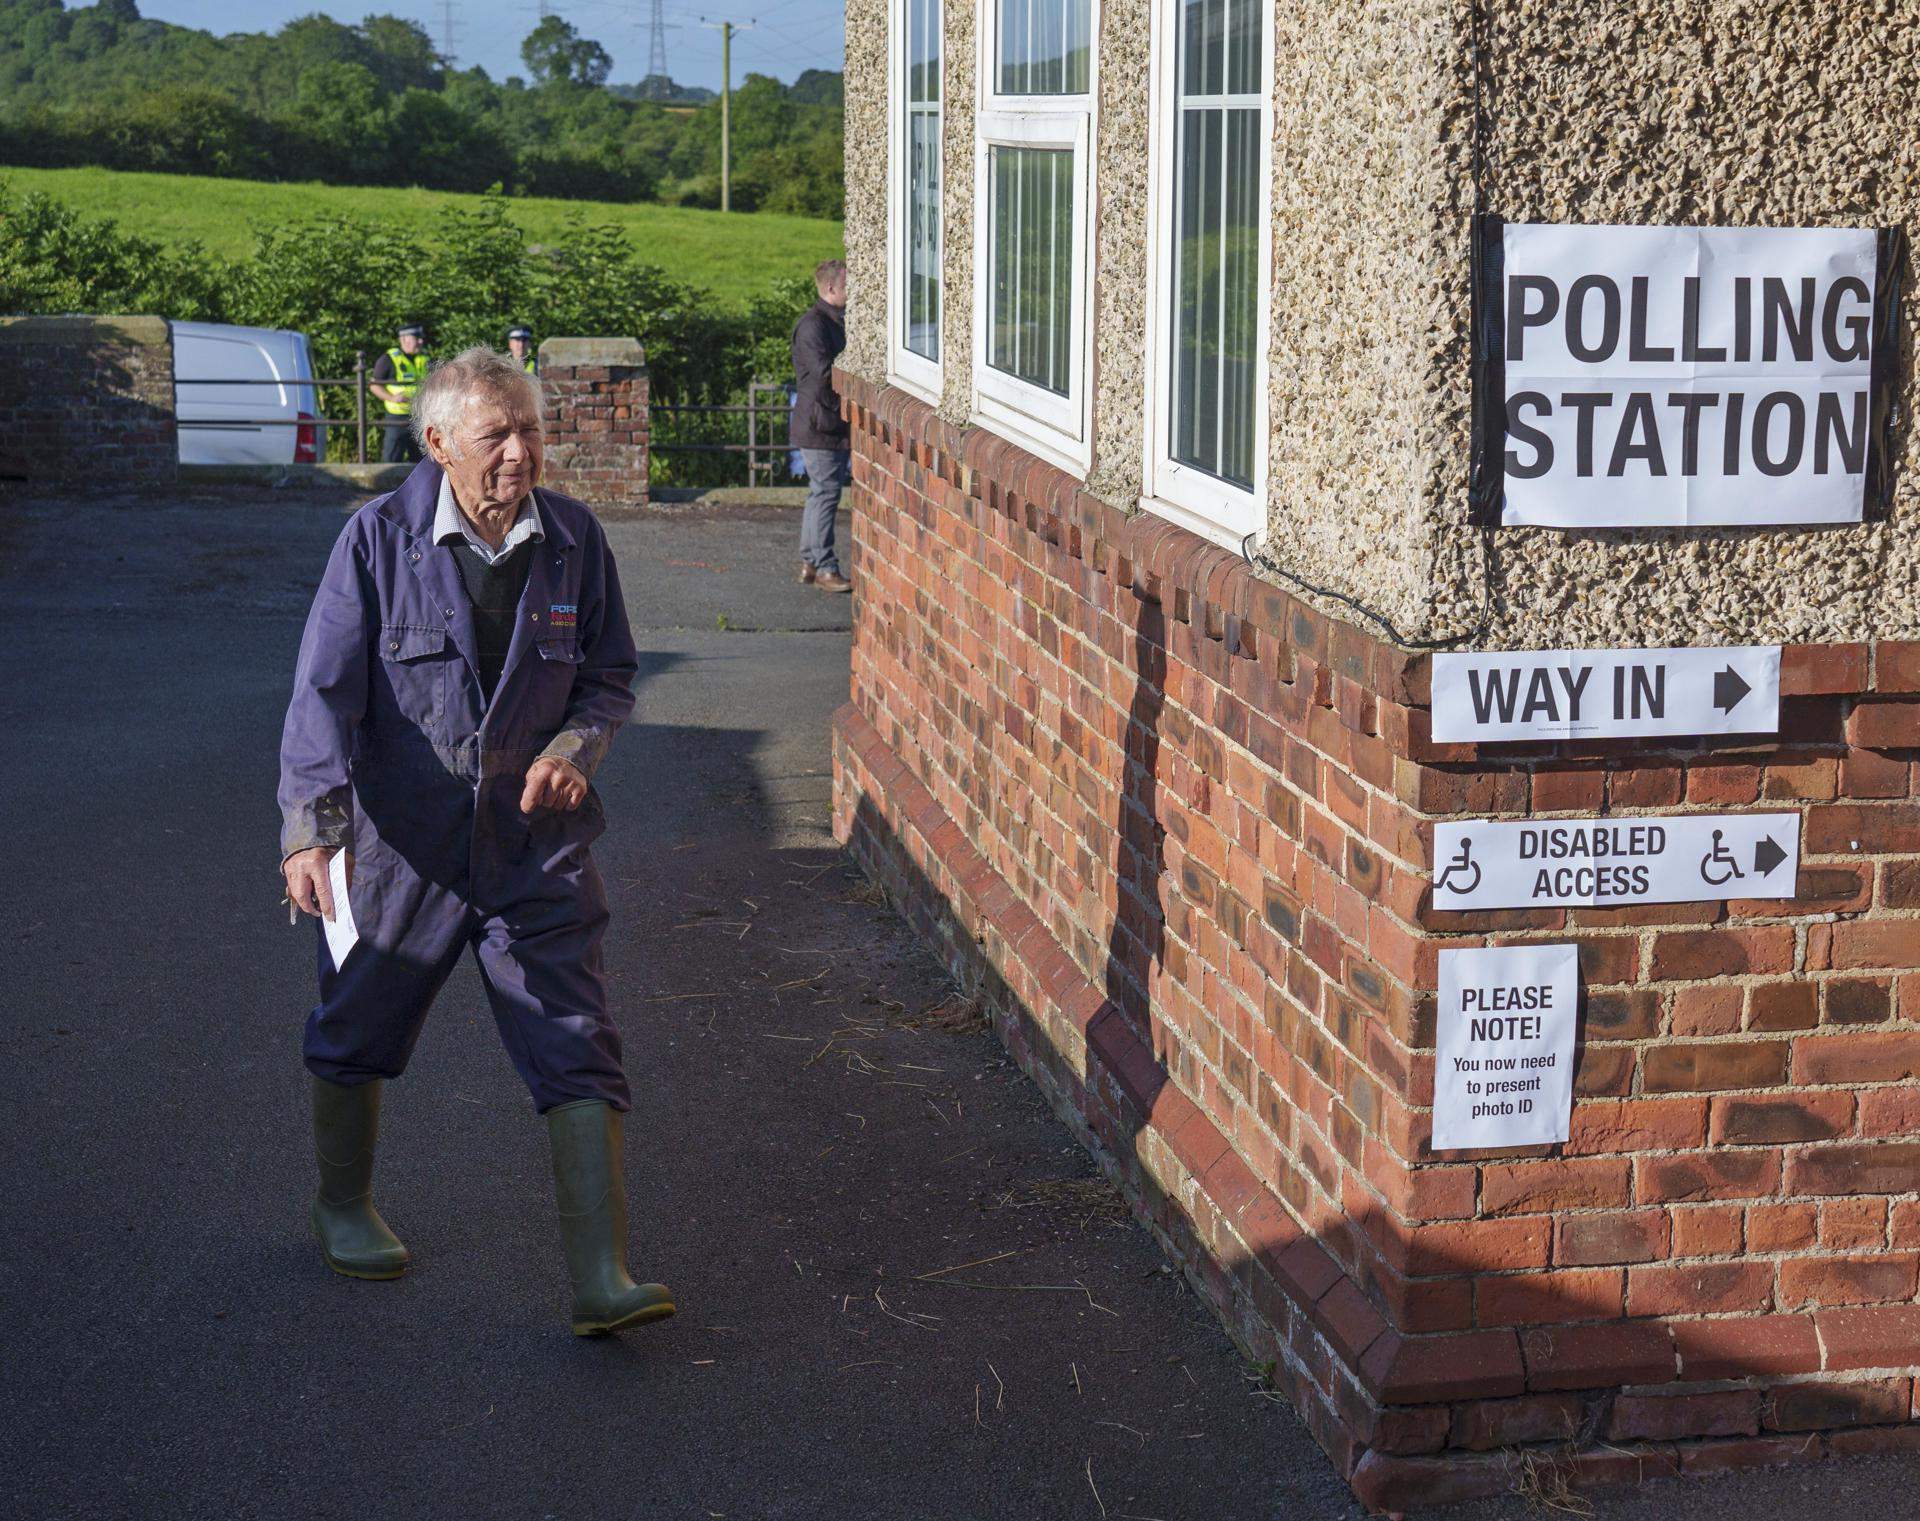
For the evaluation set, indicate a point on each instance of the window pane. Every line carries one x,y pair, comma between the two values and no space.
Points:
1216,273
923,51
1043,46
1030,324
923,233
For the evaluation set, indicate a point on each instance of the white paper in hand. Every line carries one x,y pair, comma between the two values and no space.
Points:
341,935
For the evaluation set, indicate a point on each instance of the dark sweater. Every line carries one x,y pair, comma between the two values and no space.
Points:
817,341
494,590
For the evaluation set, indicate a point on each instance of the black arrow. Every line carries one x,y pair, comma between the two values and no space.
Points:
1767,855
1728,688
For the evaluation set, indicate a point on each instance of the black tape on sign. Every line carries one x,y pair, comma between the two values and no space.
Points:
1486,485
1889,274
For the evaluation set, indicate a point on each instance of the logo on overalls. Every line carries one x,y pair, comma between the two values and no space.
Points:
563,615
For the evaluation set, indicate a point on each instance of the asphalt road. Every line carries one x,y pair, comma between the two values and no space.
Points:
819,1123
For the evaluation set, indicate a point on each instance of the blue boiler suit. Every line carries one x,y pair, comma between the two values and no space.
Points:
390,752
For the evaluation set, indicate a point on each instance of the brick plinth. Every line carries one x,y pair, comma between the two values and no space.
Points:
87,400
597,421
1177,824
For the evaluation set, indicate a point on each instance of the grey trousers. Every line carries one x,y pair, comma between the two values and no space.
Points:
828,471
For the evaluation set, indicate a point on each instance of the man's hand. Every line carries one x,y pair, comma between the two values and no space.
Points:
553,783
307,881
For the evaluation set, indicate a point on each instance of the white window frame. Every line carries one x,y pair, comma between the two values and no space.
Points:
1197,500
1057,428
905,368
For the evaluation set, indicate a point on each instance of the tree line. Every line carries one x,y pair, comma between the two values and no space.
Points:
375,104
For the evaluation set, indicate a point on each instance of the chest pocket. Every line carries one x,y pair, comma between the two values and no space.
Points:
413,662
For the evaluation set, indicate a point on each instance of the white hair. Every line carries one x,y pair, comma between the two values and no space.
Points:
452,384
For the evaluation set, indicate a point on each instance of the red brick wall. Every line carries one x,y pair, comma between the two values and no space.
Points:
87,400
596,422
1179,824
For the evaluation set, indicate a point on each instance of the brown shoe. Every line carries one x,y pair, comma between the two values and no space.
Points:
832,581
807,573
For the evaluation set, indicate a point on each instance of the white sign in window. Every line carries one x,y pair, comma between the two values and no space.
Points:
1503,1071
1677,376
1481,698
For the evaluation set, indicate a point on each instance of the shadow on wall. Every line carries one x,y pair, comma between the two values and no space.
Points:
1527,1387
87,400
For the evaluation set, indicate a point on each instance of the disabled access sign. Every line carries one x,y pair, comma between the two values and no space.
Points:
1614,862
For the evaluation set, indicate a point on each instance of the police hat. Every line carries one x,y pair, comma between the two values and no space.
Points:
417,329
521,331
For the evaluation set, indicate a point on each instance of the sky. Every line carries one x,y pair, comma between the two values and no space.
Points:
790,35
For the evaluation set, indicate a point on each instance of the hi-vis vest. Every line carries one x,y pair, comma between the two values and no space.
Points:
408,371
531,364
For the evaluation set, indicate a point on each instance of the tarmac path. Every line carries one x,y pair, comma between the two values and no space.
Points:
820,1122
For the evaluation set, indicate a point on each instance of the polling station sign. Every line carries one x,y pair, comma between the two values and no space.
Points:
1612,863
1636,377
1605,694
1504,1046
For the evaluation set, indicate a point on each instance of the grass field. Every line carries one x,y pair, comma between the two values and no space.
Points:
732,255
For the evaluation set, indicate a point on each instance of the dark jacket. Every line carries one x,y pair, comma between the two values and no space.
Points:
817,341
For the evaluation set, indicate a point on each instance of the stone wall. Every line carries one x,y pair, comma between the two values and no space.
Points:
1178,825
597,423
87,400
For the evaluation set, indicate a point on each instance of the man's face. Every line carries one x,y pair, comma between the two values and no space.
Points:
517,347
495,456
834,291
411,343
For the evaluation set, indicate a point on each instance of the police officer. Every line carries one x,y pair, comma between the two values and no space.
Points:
463,671
395,379
520,345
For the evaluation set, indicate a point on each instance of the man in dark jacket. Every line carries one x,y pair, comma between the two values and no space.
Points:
816,429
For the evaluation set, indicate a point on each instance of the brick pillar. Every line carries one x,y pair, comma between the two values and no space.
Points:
596,392
87,399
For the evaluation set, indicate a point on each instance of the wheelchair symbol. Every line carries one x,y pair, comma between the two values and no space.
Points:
1718,866
1466,865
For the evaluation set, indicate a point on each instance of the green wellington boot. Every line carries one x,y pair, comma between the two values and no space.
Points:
592,1195
353,1237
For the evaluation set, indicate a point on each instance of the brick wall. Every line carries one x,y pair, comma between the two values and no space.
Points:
1178,824
596,425
87,400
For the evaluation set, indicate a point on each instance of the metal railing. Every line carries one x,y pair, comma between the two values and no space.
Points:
766,407
360,422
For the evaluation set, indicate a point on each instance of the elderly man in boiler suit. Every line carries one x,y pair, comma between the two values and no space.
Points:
465,665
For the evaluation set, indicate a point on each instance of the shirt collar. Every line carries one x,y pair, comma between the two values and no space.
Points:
449,522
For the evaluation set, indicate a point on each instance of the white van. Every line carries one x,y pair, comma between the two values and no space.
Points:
220,422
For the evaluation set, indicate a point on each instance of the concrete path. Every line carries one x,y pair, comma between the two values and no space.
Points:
905,1292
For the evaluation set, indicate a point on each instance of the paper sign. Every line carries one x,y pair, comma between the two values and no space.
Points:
1504,1040
1608,863
1681,376
341,934
1594,694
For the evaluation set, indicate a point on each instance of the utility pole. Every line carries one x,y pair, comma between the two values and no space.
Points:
726,29
446,31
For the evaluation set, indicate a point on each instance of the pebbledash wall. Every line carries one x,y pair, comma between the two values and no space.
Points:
1177,821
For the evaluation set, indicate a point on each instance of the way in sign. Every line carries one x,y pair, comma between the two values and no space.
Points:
1605,863
1597,694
